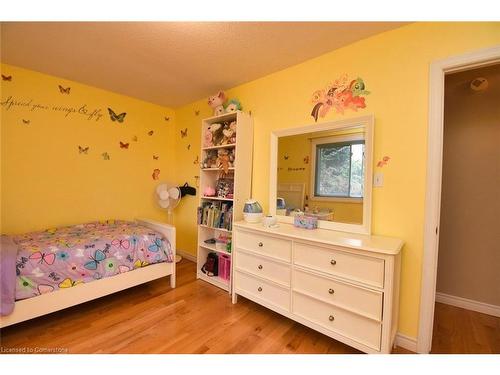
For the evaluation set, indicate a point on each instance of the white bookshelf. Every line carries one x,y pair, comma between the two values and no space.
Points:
242,171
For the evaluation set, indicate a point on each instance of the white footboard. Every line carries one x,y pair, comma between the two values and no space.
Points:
169,232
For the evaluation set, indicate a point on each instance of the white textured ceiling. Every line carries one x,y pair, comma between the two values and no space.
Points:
172,63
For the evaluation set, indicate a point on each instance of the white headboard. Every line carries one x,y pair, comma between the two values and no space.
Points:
293,193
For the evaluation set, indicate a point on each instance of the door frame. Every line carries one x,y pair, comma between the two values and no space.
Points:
438,70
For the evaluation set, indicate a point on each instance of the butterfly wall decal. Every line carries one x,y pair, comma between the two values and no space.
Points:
167,118
156,174
196,161
48,258
98,257
150,132
197,179
189,147
124,145
286,157
114,117
184,133
306,159
383,162
26,122
134,138
196,112
68,283
83,150
6,78
155,157
63,90
105,156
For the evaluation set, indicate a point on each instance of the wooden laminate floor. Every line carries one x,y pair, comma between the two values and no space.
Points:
196,317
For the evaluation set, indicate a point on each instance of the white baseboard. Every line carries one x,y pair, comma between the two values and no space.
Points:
406,342
468,304
186,255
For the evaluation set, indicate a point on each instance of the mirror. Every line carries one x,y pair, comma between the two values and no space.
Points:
324,171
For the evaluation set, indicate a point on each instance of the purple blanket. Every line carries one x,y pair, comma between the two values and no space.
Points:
46,261
8,253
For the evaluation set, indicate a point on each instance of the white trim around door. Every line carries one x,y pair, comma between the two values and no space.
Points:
438,69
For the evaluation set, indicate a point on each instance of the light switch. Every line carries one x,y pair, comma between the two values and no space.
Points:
378,179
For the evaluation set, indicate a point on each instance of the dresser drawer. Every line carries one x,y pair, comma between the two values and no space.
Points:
262,290
273,247
263,267
359,300
355,267
353,326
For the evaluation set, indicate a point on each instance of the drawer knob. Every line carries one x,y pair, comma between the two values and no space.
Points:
333,262
331,291
260,289
331,318
261,244
260,266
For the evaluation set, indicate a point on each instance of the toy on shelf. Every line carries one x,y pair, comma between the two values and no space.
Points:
225,188
223,160
210,160
209,192
216,102
233,105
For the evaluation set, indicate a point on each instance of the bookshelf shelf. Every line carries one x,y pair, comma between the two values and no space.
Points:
215,214
213,248
217,199
232,145
215,169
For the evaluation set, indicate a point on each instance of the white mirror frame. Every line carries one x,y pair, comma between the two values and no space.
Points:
365,121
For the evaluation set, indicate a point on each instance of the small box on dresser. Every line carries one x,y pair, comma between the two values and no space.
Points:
343,285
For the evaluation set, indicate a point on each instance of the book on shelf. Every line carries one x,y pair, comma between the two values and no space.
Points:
216,215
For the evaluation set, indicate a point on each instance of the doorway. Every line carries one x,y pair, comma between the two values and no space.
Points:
467,310
438,70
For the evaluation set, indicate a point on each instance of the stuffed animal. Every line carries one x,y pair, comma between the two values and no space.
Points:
232,127
228,134
216,102
223,160
233,105
217,135
208,138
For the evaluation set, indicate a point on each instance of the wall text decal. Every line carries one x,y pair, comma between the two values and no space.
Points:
30,105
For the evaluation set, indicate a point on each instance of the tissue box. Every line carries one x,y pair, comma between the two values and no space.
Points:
307,222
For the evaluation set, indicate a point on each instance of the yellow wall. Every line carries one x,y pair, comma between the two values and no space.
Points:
46,182
395,68
43,175
298,147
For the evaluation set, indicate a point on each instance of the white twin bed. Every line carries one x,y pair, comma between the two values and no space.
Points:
59,299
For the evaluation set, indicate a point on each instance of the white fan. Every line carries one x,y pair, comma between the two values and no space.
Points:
168,198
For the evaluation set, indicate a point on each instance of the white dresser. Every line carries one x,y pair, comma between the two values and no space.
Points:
341,284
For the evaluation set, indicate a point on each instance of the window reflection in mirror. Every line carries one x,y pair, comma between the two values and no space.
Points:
322,174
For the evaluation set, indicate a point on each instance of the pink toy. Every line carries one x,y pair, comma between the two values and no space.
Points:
208,138
209,192
216,102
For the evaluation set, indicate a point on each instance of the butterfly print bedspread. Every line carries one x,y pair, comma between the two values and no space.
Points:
66,257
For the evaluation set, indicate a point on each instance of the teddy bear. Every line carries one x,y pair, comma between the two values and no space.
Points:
217,136
217,102
223,160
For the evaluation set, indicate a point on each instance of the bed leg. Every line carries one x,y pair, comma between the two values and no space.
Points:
172,281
